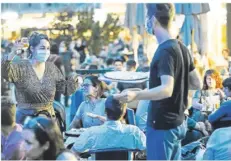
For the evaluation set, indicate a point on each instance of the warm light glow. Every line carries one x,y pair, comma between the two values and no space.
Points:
100,15
88,33
111,33
9,15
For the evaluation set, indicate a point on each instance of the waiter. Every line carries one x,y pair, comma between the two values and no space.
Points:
172,74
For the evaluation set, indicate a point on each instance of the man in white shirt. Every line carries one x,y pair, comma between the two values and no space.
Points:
112,134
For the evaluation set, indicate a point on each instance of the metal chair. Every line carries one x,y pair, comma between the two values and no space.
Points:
60,115
113,154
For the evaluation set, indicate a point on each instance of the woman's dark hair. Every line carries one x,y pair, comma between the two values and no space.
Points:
215,75
47,130
35,39
98,84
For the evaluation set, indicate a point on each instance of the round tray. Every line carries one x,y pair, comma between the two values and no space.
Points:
126,76
93,71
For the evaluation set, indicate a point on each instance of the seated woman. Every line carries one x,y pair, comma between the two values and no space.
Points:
94,104
209,97
43,140
225,109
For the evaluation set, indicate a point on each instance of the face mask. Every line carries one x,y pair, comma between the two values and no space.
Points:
72,46
148,27
42,55
61,50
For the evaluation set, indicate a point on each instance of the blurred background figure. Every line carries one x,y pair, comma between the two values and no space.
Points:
12,141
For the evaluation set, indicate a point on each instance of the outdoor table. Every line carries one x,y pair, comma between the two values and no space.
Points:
72,135
74,132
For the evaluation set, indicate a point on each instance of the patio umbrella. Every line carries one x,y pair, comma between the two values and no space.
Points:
191,22
130,20
140,16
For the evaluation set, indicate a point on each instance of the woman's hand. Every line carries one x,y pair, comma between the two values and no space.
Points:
16,50
201,106
101,118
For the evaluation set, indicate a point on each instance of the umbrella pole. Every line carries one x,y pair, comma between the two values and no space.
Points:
192,42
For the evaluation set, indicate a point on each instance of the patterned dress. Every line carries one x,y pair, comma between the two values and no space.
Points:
34,95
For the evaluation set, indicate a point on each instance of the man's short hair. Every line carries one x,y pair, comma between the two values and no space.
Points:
131,63
8,111
163,12
114,108
119,60
109,61
227,83
7,102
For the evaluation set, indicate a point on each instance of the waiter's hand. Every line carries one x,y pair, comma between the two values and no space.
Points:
127,96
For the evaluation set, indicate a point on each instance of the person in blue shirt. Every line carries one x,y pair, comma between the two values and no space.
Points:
218,145
112,134
93,90
225,108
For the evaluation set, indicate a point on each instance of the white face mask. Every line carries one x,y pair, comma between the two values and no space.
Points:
61,50
42,55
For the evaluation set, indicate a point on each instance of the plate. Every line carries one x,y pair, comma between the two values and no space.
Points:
74,132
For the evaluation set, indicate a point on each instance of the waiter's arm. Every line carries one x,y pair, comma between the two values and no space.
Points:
163,91
194,80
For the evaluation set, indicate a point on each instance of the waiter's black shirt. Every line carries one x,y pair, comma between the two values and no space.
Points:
171,58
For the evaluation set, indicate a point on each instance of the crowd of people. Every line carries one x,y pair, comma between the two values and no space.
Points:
176,107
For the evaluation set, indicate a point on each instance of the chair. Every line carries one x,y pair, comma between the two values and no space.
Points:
76,99
60,115
112,154
224,122
131,116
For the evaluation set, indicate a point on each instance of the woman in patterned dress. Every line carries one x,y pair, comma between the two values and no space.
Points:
35,79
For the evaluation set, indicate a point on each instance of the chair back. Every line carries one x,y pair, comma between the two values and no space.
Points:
60,115
224,122
112,154
131,116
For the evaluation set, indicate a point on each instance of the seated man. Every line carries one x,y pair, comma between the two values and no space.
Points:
112,134
11,133
225,108
218,145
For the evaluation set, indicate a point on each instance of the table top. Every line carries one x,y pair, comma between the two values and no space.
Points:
74,132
